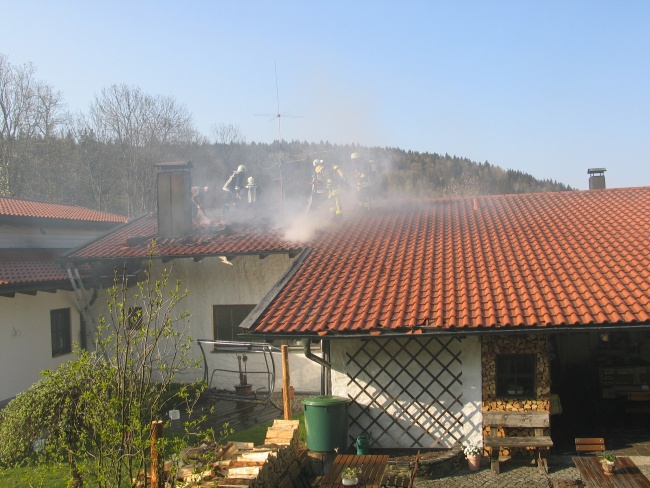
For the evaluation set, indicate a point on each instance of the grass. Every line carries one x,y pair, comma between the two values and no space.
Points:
257,434
52,476
56,476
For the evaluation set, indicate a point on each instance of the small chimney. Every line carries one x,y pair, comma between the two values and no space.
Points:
174,182
596,178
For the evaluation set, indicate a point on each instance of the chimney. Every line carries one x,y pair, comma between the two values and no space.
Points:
596,178
174,181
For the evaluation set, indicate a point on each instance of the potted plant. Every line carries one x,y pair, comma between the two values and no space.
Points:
473,454
608,462
350,476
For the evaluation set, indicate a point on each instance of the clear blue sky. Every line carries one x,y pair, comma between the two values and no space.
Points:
550,88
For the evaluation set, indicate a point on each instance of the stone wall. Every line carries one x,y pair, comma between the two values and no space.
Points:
493,345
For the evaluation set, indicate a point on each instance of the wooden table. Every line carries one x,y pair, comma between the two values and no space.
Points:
372,469
627,474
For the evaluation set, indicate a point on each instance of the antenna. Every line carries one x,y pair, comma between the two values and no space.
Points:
279,115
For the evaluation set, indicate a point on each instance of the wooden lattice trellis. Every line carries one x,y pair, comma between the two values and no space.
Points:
406,389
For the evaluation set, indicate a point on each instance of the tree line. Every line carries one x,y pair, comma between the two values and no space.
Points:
103,158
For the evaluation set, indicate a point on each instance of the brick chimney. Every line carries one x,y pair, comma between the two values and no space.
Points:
174,181
596,178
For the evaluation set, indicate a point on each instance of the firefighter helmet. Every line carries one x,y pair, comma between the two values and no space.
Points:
355,156
251,181
241,168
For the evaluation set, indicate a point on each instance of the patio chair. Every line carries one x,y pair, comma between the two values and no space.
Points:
589,445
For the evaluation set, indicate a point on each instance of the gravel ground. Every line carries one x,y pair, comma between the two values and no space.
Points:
518,474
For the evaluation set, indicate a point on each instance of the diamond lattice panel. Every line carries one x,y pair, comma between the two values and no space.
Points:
406,392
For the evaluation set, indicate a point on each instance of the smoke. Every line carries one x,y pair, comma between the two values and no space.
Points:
303,226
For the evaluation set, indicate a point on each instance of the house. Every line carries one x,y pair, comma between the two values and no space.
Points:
430,313
40,314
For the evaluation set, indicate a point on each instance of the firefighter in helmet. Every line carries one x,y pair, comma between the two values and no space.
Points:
336,186
251,188
362,174
234,186
318,183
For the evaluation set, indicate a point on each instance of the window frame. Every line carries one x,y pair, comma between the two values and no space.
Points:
520,381
61,331
234,324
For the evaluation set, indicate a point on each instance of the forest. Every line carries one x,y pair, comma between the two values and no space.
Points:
104,158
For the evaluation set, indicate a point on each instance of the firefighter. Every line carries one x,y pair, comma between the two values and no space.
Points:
318,184
251,188
336,186
199,200
363,174
234,186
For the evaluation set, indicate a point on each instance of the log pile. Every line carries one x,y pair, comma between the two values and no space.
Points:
491,346
239,464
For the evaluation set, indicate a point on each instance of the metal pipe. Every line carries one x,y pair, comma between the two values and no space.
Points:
306,345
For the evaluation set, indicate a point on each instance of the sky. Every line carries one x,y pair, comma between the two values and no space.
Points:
550,88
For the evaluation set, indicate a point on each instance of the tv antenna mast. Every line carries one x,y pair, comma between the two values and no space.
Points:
279,115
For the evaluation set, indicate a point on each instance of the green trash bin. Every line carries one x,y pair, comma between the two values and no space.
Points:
326,422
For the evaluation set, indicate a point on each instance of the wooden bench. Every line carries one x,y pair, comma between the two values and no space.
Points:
520,420
589,444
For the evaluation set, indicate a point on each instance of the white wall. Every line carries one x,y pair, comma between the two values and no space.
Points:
25,338
45,236
244,282
391,412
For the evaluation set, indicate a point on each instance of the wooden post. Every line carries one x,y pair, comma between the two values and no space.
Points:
156,457
286,382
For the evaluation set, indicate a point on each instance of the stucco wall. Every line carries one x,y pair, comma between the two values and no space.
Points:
243,282
391,389
46,236
25,338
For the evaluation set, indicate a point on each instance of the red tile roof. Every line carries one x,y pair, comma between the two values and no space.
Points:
533,260
133,240
13,207
29,267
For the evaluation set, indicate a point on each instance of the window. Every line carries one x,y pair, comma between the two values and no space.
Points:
61,331
516,375
226,320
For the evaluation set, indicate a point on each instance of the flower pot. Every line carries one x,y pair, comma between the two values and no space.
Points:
350,481
608,467
244,390
474,462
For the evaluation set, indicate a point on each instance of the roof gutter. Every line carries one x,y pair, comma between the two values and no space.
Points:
460,332
306,346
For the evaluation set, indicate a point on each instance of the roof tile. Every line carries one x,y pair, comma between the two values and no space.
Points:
14,207
571,258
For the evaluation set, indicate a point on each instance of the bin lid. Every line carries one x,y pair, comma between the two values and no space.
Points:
325,400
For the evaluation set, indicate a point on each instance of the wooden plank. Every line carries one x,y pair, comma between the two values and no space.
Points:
523,441
627,474
517,419
372,469
632,470
590,444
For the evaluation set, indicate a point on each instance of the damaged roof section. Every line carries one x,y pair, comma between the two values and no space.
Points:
134,240
543,260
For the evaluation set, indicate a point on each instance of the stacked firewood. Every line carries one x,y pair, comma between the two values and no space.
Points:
237,464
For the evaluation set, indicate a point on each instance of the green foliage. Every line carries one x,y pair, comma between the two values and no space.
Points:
608,456
95,412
